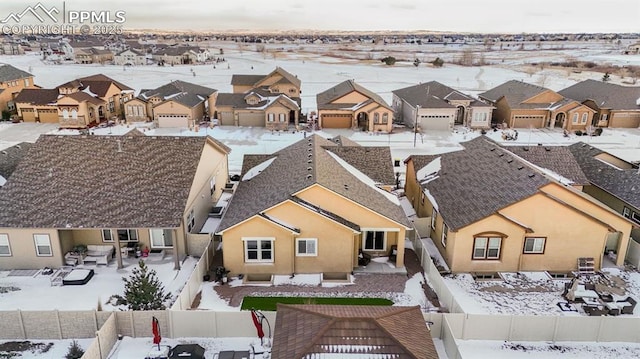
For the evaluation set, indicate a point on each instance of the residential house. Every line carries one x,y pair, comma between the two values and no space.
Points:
343,331
175,55
176,104
271,101
92,55
12,81
614,105
37,105
112,92
522,105
488,210
437,107
9,159
79,110
130,57
633,49
152,192
311,208
614,182
349,105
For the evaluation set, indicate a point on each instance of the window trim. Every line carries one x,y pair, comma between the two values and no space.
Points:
533,251
164,243
585,117
488,236
35,242
8,245
626,212
443,237
191,220
259,240
575,118
315,247
112,240
434,218
364,240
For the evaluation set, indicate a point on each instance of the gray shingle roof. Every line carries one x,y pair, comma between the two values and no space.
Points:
175,87
10,157
478,181
558,159
605,95
11,73
304,331
253,80
624,184
430,95
295,168
246,80
37,96
98,84
324,99
375,162
86,182
514,91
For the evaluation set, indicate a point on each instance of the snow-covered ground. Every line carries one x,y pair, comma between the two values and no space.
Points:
42,349
473,349
36,293
136,348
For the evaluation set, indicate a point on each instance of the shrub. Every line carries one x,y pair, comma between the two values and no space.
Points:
142,290
389,60
438,62
75,351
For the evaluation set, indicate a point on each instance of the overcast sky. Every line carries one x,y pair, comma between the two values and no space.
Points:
514,16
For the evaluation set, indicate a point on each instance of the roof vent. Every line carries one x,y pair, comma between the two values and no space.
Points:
525,149
119,145
520,167
500,155
510,160
531,175
309,161
4,152
492,149
346,186
310,144
18,147
309,168
310,155
309,176
547,149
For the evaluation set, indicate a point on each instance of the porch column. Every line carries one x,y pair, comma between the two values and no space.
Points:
400,255
176,249
116,240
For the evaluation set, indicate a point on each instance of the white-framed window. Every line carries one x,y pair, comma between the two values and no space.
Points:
376,118
585,116
271,117
161,238
74,114
65,113
604,117
212,185
282,117
43,245
485,247
445,231
575,118
422,196
374,241
307,247
635,217
385,118
124,235
258,249
626,212
434,216
26,82
191,221
534,245
5,248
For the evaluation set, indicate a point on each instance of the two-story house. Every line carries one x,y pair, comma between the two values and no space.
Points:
113,93
12,81
130,57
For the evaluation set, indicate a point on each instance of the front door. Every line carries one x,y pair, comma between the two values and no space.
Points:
161,238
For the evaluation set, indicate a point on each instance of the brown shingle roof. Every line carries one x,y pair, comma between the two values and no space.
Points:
102,182
430,94
83,96
246,80
605,95
98,84
324,99
295,168
555,158
375,162
37,96
307,331
514,91
10,157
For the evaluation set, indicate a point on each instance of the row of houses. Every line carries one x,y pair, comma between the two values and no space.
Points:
318,204
273,101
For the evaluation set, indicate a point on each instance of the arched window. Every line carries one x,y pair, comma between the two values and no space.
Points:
74,114
65,113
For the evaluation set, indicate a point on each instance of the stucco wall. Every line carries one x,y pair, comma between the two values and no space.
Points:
23,250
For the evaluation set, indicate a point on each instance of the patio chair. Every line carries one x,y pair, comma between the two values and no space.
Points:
363,258
393,253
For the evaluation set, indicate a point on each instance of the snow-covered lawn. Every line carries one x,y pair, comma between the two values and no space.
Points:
546,350
40,349
36,293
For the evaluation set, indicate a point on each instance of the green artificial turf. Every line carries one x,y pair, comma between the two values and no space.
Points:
270,303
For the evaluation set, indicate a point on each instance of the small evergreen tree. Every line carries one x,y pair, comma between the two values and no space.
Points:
438,62
606,77
75,351
142,290
389,60
416,62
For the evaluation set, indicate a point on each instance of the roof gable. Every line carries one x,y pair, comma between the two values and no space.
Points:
605,95
11,73
102,182
431,94
331,96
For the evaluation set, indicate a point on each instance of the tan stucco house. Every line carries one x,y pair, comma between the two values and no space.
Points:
12,81
271,101
349,105
37,105
93,55
614,105
112,92
176,104
437,107
491,211
130,57
522,105
152,192
310,208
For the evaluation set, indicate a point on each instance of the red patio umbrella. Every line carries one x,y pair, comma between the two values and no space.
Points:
155,327
258,323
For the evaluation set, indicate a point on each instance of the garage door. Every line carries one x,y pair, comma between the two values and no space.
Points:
226,118
251,119
527,122
336,121
48,116
28,115
436,123
173,121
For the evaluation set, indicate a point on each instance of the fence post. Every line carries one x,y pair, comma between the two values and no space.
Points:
133,325
170,323
24,330
59,324
99,345
555,328
599,336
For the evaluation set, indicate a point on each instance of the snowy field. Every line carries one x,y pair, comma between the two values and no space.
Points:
480,349
36,293
40,349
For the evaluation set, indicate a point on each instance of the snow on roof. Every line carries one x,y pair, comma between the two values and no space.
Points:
429,172
173,95
431,198
364,178
87,90
2,181
255,170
